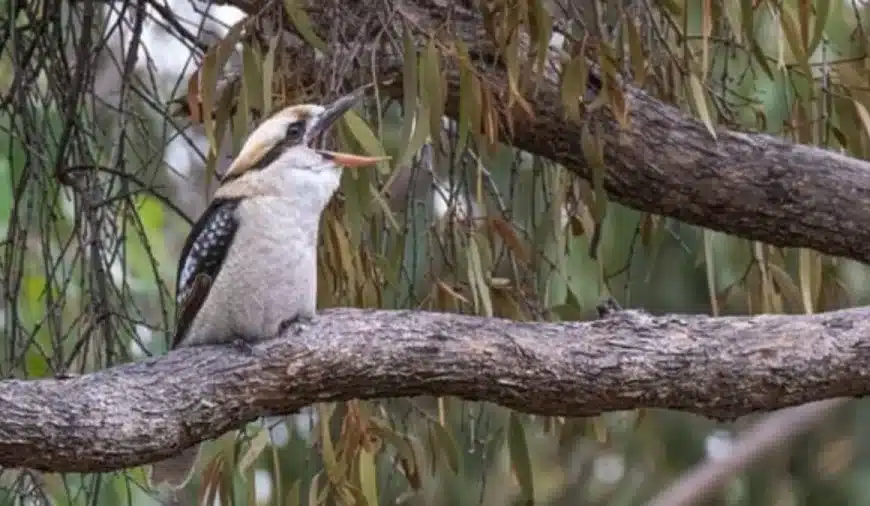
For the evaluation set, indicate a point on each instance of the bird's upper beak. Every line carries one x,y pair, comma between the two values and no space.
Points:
324,122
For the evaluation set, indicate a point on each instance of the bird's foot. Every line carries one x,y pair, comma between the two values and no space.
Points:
298,324
608,307
245,346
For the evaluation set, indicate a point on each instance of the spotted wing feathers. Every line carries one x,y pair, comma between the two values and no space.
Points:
203,255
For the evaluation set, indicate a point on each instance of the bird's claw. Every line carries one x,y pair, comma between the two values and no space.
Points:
297,323
608,307
244,346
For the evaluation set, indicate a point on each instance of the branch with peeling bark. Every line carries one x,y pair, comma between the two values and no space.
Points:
718,367
751,185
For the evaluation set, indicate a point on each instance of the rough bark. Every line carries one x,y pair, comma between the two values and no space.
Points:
718,367
751,185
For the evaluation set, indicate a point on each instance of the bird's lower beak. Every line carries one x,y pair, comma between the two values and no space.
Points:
327,119
349,160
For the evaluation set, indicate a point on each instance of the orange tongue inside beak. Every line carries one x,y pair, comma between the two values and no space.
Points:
349,160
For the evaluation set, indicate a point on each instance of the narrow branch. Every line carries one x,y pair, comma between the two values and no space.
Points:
772,432
718,367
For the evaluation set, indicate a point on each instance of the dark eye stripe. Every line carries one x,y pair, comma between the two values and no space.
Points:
295,132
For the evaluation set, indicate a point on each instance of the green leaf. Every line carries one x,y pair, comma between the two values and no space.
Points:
466,96
292,497
268,76
252,83
385,207
432,92
255,448
823,11
303,24
447,444
792,34
747,9
520,459
710,264
366,138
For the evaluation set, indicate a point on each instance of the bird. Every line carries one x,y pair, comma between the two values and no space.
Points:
248,268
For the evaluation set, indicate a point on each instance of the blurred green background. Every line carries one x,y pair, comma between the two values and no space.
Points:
97,180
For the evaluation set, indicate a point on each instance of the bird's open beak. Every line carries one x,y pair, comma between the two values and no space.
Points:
324,122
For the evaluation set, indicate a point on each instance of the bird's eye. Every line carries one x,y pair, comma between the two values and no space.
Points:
295,131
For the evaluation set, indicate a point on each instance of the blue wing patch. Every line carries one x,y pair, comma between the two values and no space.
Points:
201,259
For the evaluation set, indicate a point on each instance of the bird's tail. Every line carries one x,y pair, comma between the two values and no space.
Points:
173,472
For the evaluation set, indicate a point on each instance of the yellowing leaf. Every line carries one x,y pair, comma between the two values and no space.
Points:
706,29
573,88
515,93
710,264
700,100
513,242
489,121
540,30
795,42
863,115
252,83
206,87
194,100
635,49
213,63
810,273
446,289
368,477
314,491
477,278
786,285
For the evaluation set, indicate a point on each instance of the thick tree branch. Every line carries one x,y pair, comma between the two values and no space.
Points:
751,185
718,367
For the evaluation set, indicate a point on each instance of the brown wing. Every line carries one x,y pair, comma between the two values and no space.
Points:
202,257
189,307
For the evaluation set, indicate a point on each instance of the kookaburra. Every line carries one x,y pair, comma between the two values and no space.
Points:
249,266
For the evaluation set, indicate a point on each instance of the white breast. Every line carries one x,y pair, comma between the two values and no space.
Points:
270,274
